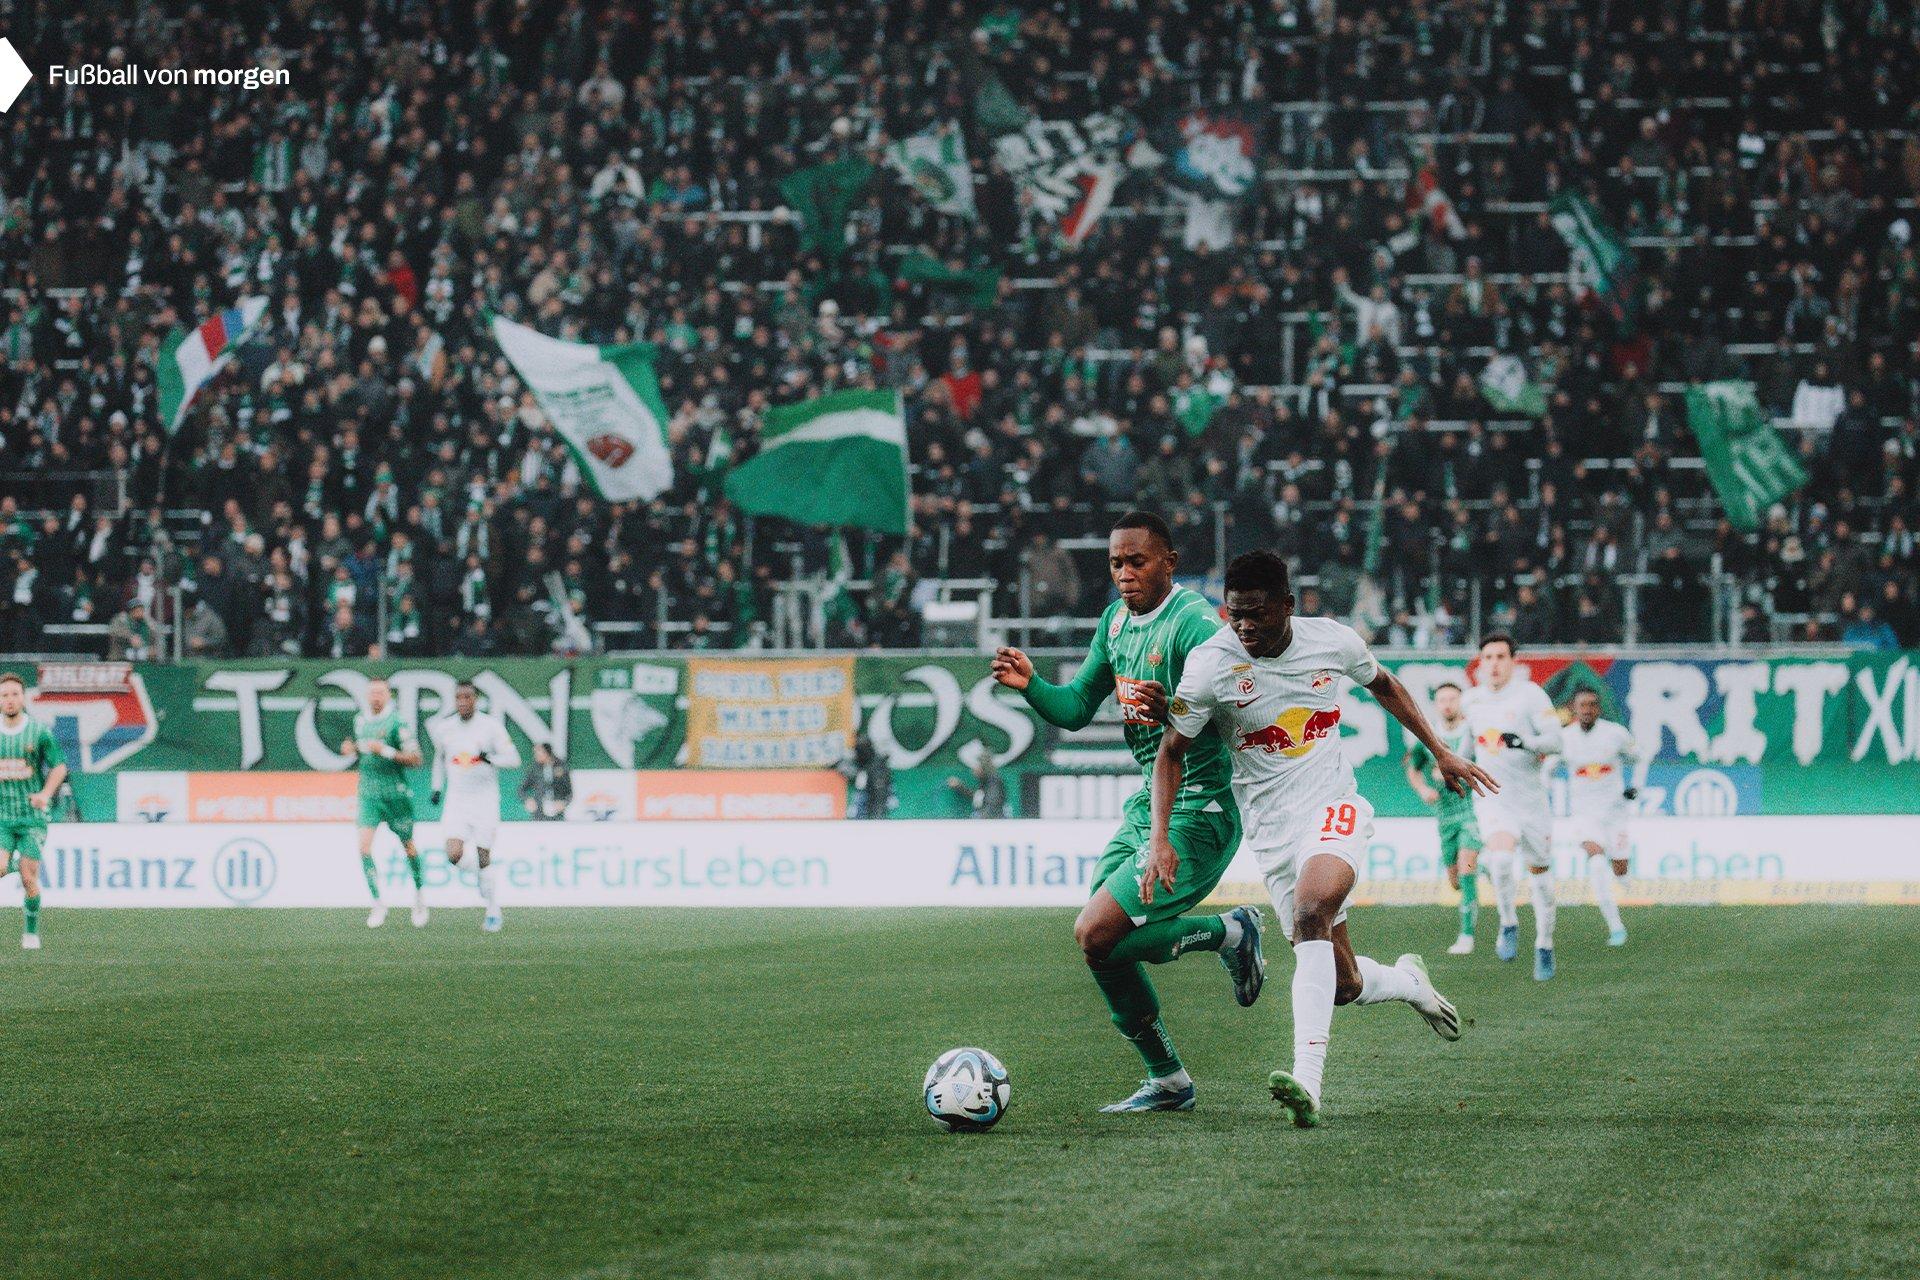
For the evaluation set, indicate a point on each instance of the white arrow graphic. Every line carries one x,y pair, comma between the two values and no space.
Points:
13,74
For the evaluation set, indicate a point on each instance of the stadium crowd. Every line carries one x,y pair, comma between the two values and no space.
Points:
370,472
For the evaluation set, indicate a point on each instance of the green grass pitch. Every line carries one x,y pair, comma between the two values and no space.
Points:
736,1094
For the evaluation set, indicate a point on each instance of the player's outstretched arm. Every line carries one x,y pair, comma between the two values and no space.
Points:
1067,706
1169,767
1460,774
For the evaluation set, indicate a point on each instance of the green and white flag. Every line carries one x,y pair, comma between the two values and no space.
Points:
934,163
604,402
1750,466
839,460
1601,259
1505,384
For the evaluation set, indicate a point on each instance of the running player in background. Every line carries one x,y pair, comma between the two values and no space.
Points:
385,749
470,748
1600,756
1514,730
1139,651
31,771
1270,682
1459,835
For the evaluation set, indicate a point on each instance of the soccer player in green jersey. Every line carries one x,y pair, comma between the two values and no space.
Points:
1459,833
31,772
1138,653
386,748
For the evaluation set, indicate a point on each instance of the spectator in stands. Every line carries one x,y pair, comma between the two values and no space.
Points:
130,636
546,788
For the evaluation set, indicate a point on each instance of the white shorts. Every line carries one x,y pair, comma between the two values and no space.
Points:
1530,825
1281,848
471,824
1608,830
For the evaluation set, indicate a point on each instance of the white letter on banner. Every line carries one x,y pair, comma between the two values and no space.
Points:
504,701
306,734
1668,695
246,687
1811,684
984,702
1880,712
1740,737
946,704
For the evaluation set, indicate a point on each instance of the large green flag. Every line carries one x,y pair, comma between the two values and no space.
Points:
1750,465
823,196
934,163
839,460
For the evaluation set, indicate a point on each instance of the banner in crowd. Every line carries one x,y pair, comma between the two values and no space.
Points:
1750,465
1068,169
934,163
603,401
1212,153
1745,735
862,864
1601,259
823,197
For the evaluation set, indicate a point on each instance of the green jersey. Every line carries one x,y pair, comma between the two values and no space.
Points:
1130,648
1457,740
382,779
28,754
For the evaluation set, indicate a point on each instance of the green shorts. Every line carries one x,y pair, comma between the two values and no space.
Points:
20,840
1457,832
395,811
1206,843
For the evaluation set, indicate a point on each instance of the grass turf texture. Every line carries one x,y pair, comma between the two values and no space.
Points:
624,1093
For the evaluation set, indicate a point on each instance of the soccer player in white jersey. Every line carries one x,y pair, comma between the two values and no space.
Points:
470,748
1269,684
1515,729
1600,756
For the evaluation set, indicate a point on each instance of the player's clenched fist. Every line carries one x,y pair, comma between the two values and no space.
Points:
1012,668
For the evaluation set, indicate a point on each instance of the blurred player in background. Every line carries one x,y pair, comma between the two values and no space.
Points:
470,747
1600,756
1139,651
1459,834
1514,730
1270,683
31,772
385,748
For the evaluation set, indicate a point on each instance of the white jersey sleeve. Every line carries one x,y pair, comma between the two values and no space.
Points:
503,753
1357,662
1542,732
439,755
1194,702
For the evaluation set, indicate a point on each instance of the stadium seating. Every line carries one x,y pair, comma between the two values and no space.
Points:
367,473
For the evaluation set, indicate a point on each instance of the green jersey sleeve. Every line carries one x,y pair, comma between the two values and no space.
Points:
1072,705
49,750
1419,757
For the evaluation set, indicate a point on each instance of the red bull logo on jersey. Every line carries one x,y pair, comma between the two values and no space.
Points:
99,712
1593,771
1321,679
1294,733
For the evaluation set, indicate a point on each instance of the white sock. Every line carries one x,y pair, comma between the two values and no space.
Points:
1505,891
487,886
1544,909
1600,872
1178,1080
1313,983
1234,929
1383,982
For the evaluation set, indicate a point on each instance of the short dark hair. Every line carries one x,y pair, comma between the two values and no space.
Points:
1499,637
14,677
1585,693
464,683
1152,523
1259,571
1447,684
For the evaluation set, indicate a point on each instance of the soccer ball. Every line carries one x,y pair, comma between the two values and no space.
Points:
967,1089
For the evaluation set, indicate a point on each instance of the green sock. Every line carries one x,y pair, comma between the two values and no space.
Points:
373,877
1136,1012
33,914
1469,902
413,865
1165,940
